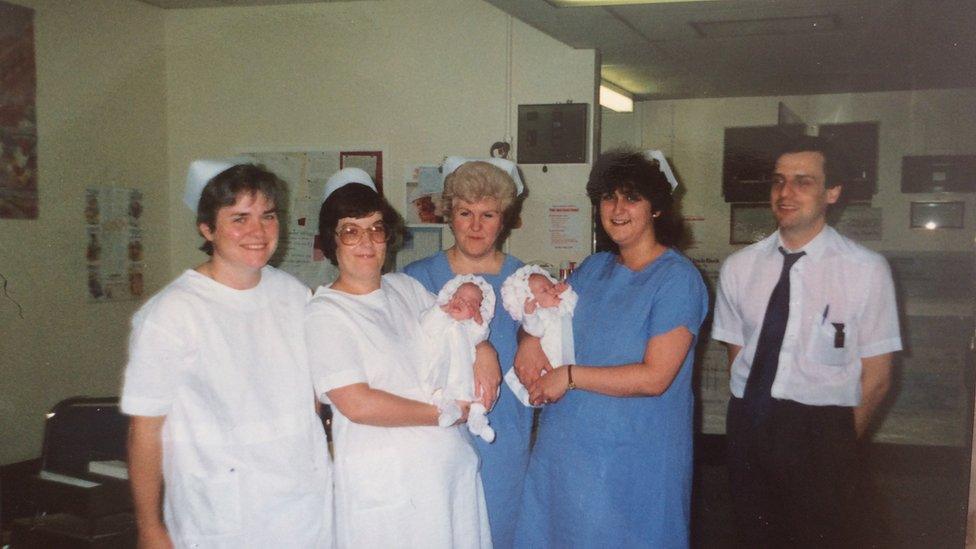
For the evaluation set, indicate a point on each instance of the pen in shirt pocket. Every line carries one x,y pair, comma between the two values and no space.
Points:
824,318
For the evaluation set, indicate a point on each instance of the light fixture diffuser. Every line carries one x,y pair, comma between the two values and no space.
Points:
615,99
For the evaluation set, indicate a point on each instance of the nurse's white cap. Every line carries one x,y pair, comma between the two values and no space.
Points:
454,162
663,164
201,172
344,177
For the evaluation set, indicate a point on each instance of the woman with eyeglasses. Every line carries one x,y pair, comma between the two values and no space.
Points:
402,479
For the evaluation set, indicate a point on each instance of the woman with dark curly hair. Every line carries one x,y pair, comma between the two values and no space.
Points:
404,476
612,462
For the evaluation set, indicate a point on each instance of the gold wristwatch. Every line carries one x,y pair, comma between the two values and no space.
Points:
569,373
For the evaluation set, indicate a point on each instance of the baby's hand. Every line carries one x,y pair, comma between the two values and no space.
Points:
560,287
531,304
465,407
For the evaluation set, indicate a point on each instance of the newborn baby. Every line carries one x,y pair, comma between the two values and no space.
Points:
545,309
456,323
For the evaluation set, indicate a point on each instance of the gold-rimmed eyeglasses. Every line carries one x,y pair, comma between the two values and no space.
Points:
351,235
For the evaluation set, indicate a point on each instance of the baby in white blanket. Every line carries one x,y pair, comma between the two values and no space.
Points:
456,323
545,307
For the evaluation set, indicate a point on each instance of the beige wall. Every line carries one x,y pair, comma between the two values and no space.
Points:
101,121
911,123
419,79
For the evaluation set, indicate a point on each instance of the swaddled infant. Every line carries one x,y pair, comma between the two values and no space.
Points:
545,307
456,323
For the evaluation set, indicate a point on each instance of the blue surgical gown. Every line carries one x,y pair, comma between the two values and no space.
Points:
608,471
504,461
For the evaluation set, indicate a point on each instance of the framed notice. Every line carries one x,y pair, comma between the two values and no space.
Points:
750,223
938,215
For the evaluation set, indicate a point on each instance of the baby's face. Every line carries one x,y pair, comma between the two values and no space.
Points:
544,291
466,303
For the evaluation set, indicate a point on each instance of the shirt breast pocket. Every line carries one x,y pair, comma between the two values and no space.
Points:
830,344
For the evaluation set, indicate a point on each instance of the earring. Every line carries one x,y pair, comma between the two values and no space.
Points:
656,215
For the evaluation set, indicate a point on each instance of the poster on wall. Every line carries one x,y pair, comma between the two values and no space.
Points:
113,245
18,115
424,185
566,224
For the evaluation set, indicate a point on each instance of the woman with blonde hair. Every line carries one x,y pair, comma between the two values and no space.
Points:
480,204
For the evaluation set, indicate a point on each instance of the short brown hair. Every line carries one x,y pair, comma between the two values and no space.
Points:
225,188
357,201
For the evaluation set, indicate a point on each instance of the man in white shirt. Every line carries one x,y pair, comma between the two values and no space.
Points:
810,322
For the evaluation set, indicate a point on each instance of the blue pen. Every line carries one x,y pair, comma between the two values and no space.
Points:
826,310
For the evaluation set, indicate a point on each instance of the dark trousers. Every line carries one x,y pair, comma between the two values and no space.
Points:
793,478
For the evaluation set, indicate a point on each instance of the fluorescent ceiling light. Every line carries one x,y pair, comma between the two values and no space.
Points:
582,3
619,101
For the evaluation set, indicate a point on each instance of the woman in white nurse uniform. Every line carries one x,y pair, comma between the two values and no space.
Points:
405,473
218,387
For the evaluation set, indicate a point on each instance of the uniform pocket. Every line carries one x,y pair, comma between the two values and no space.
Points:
826,347
207,506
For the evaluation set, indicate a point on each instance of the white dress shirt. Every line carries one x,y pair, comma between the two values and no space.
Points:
838,286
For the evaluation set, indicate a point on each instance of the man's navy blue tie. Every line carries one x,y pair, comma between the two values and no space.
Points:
757,397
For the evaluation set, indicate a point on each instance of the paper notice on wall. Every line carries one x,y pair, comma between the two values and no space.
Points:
566,224
691,223
305,174
113,247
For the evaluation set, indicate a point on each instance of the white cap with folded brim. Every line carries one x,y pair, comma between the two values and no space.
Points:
201,172
662,162
344,177
454,162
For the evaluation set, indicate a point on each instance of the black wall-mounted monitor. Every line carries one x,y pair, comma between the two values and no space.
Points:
938,174
748,160
750,156
552,133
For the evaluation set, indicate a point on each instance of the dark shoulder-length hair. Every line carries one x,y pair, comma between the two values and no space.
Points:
356,200
225,188
629,170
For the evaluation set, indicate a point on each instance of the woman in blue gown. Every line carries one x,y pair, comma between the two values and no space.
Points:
612,464
478,200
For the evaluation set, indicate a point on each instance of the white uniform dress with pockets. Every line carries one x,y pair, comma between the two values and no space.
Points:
245,462
395,486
